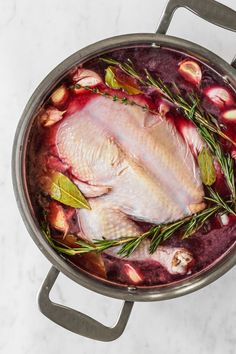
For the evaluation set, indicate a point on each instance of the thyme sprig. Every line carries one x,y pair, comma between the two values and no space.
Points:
123,100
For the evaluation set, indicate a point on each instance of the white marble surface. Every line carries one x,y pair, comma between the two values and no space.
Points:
34,37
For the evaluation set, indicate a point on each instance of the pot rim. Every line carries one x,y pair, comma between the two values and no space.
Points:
130,293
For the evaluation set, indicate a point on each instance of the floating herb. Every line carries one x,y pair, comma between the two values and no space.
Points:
206,166
185,227
127,67
62,189
113,80
110,78
214,197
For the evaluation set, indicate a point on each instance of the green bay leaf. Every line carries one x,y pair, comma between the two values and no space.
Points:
66,192
114,82
110,78
206,166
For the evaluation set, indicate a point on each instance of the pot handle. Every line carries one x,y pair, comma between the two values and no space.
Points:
210,10
76,321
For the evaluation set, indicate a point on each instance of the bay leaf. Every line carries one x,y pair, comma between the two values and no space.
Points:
66,192
206,166
110,78
122,81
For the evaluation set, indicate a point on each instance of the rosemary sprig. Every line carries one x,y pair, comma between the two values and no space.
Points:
208,129
218,200
157,234
190,109
185,226
130,243
207,124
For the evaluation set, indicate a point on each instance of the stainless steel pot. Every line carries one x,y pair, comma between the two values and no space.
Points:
66,317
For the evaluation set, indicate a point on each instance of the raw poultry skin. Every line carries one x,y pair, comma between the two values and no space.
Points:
132,166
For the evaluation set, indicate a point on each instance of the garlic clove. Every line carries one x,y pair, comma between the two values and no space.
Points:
50,116
133,274
59,96
229,115
224,219
85,77
57,217
190,71
219,96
